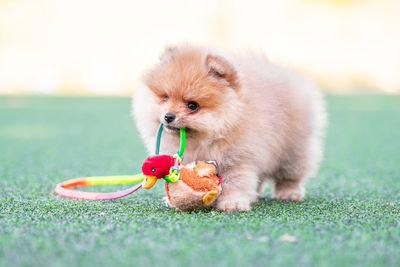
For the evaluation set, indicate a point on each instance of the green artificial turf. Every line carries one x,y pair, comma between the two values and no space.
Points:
349,217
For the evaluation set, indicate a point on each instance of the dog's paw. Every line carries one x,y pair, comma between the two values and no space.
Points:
289,194
233,204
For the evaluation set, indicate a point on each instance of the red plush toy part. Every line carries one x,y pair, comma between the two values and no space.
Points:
156,167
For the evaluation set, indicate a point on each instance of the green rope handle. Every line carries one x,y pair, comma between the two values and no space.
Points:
182,145
183,141
159,132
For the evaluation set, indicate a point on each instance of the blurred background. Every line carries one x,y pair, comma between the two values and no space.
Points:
85,47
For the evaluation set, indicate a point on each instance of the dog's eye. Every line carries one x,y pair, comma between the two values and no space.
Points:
153,169
193,106
165,98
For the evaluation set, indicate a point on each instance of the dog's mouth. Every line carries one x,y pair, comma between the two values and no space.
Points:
176,130
171,129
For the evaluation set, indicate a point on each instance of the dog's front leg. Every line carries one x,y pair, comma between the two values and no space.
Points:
239,189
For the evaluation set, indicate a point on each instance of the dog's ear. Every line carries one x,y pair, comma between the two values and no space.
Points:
168,52
221,69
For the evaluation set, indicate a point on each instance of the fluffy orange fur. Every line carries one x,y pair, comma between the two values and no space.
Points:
258,121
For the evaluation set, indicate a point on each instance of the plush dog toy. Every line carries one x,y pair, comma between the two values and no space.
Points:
198,184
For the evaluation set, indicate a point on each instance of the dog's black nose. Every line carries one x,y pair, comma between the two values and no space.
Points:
169,117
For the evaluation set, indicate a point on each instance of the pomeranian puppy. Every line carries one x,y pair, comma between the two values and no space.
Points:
258,121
